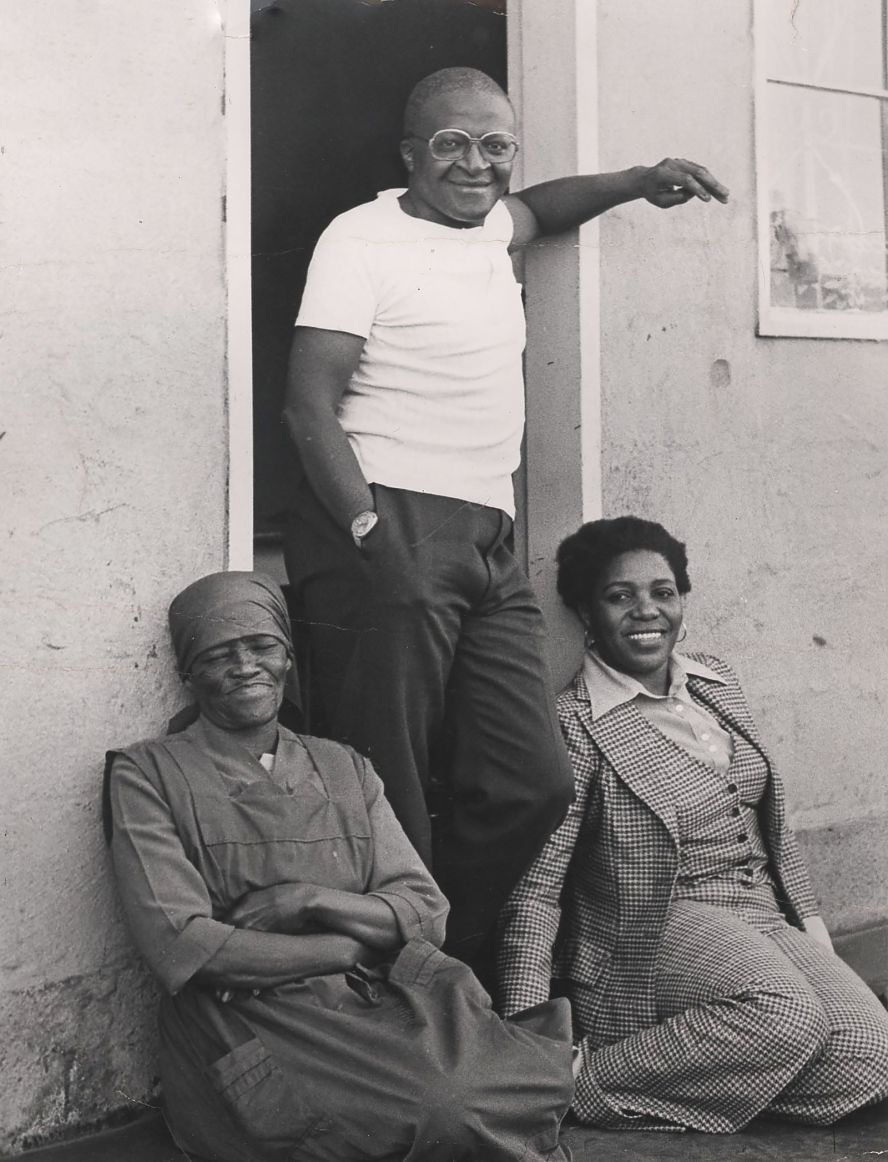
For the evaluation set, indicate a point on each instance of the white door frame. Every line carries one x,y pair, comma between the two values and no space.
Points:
237,226
553,82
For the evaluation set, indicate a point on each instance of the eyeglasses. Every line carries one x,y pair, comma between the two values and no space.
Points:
454,144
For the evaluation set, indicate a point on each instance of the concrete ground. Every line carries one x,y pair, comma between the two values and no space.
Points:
864,1135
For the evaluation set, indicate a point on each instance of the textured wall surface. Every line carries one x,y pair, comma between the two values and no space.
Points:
767,455
113,479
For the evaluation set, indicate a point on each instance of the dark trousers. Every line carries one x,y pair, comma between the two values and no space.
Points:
426,649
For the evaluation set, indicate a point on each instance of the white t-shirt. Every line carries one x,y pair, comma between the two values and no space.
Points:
437,401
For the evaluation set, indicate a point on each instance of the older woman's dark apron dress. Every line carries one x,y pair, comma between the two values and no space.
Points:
402,1061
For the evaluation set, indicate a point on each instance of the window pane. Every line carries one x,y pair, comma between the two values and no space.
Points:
830,42
827,201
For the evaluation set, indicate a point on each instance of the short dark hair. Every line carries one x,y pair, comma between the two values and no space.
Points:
585,555
447,81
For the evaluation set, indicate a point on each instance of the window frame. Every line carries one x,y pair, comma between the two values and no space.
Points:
792,322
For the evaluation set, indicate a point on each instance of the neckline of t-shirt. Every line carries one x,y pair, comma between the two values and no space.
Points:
458,231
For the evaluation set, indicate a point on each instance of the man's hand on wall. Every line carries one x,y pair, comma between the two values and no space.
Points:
674,181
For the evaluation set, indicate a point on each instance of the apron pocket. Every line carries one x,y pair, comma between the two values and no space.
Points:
261,1099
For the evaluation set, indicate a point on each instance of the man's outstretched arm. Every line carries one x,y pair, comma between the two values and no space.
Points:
559,205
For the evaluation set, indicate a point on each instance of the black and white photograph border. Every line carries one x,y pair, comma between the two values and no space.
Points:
166,169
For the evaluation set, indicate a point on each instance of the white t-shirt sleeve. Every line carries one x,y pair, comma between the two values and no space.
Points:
339,291
500,224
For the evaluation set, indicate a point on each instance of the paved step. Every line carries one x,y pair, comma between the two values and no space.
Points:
862,1136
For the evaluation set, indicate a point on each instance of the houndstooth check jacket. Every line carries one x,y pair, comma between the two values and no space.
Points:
592,907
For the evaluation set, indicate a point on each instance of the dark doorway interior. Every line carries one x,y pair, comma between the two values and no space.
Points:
329,82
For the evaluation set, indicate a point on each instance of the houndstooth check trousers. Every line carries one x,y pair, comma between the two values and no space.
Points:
755,1017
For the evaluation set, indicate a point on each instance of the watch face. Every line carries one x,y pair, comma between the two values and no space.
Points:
363,523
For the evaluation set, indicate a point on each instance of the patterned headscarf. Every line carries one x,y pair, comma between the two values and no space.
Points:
224,606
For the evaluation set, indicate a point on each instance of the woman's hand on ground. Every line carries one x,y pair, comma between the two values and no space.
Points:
816,928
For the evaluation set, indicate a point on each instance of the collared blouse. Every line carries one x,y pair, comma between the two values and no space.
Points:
674,713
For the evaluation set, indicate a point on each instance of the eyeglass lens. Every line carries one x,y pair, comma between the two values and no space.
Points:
453,144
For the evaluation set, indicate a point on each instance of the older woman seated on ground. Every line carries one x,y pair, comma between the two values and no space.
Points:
673,903
307,1011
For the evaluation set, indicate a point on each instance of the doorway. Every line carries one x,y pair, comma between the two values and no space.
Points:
329,79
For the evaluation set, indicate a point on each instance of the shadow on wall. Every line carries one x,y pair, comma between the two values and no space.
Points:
329,82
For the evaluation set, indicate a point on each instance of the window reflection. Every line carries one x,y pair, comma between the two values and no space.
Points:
827,42
827,201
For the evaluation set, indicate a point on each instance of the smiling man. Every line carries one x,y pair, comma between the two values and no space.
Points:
406,406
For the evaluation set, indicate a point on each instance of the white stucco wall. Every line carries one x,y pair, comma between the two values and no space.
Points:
550,46
767,455
113,466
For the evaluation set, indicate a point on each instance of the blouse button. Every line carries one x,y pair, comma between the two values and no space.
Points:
735,811
705,736
741,838
732,788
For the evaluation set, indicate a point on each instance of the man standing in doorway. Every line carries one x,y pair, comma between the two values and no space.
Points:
406,405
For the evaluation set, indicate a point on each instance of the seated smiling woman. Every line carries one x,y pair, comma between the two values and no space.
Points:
672,903
306,1011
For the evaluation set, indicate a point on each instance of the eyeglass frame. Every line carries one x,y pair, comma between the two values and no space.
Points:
470,141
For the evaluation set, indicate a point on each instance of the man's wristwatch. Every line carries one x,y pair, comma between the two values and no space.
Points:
363,523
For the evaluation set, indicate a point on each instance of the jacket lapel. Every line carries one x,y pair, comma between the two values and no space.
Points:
728,705
732,711
636,751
